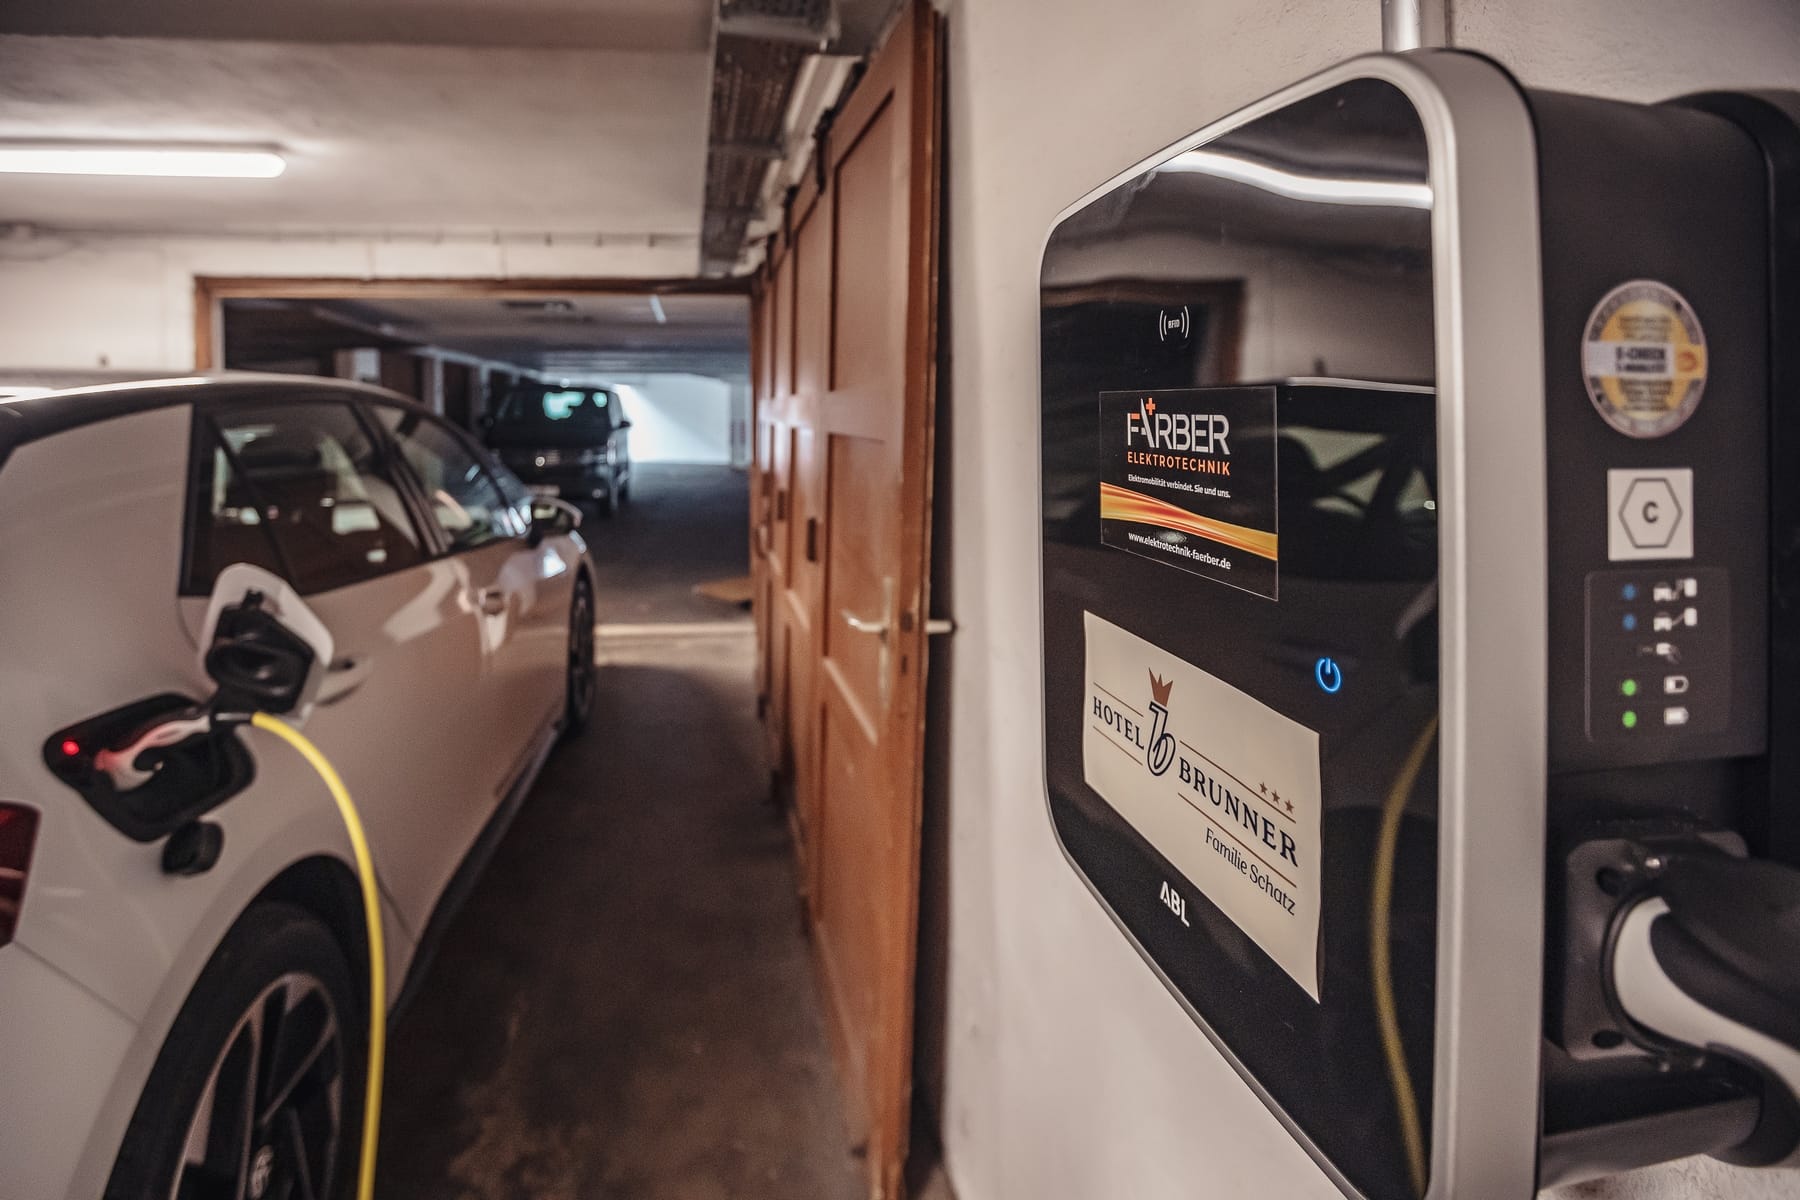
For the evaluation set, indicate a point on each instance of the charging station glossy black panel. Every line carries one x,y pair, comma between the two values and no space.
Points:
1240,581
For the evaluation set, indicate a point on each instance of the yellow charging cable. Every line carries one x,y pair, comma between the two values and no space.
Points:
1381,967
365,870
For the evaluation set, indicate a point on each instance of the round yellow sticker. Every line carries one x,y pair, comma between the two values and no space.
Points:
1644,358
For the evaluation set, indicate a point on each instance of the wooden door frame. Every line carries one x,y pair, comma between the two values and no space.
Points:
925,224
211,291
886,1072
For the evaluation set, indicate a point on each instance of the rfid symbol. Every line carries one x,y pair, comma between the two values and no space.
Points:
1329,674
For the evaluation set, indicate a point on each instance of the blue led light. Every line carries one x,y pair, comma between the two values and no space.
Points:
1630,622
1329,674
1628,592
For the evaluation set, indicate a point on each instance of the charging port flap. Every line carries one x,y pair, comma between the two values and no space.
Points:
186,779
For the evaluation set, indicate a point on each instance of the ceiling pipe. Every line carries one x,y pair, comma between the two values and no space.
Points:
764,27
1414,24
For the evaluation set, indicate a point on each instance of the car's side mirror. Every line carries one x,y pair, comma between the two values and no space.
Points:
551,516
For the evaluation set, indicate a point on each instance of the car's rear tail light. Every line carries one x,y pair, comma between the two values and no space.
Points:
18,835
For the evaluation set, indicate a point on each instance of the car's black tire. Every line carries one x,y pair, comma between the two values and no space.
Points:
581,675
277,980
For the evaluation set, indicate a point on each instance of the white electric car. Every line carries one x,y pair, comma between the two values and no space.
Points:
183,966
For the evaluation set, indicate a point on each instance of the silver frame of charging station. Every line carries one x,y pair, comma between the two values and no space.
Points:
1492,604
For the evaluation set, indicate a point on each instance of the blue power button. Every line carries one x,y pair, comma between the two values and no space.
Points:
1329,674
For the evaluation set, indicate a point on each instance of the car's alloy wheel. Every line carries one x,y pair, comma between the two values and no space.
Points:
258,1086
582,675
269,1122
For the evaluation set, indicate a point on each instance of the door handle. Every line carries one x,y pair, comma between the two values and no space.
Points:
343,676
878,628
881,628
934,627
491,601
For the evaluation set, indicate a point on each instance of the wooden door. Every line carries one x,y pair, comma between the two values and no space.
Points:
849,429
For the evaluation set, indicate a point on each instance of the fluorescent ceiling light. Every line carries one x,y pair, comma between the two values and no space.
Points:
1295,186
168,161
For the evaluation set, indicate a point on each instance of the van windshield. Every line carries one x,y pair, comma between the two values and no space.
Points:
559,407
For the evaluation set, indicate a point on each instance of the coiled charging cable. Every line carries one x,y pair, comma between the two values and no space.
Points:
365,871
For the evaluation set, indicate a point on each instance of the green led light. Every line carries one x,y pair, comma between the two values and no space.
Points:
1629,720
1628,688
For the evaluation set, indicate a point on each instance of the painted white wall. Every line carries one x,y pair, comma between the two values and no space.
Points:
677,418
1068,1071
83,301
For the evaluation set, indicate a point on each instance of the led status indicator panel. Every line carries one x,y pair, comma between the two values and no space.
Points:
1658,655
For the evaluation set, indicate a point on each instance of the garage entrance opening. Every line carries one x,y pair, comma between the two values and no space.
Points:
612,399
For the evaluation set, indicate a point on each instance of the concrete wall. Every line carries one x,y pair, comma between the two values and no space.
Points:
677,418
1061,1067
84,301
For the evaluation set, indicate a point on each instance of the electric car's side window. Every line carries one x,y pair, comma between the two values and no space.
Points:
464,498
311,476
228,525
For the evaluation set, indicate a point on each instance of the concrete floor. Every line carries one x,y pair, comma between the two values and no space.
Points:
624,1008
683,525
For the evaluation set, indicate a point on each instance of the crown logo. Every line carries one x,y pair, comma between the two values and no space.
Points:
1160,689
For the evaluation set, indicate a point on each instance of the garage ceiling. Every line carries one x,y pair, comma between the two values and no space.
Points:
657,25
571,121
454,118
576,335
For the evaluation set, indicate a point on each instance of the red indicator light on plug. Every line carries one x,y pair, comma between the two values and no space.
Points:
70,747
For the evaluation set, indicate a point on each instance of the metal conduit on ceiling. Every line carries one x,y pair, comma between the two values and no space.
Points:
759,51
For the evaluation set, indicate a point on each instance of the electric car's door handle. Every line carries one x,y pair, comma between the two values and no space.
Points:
492,601
344,676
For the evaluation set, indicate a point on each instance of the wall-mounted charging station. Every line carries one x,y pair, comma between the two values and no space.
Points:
1420,544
